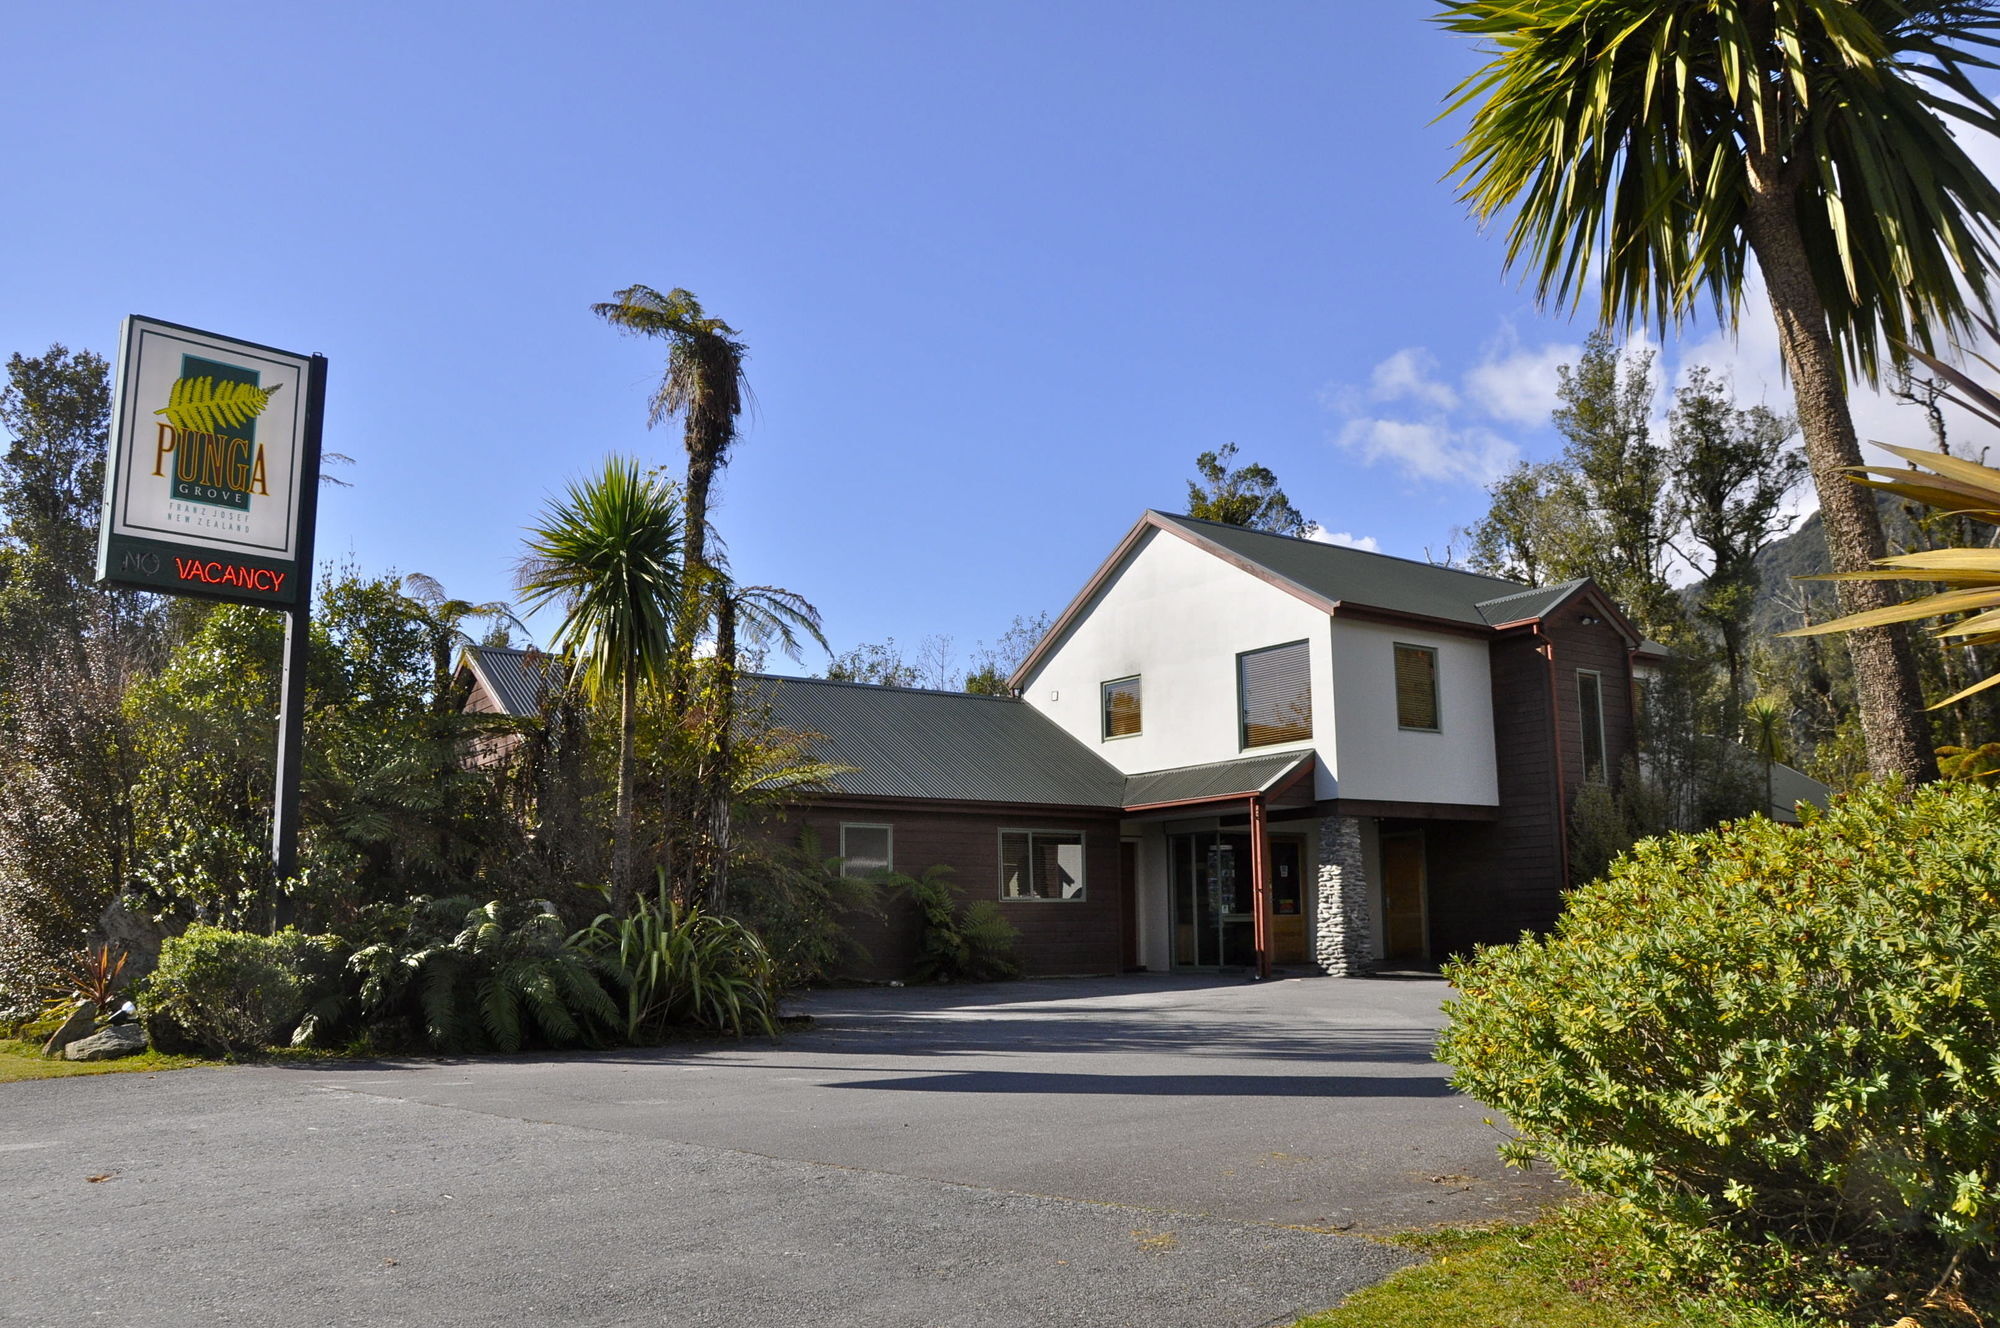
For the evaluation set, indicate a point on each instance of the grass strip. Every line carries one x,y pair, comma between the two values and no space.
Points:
1551,1274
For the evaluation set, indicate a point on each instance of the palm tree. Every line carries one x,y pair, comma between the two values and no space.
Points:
442,619
703,385
608,554
1655,146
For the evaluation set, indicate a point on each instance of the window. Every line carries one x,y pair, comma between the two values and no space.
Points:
1041,864
1275,688
1121,708
865,849
1417,688
1590,711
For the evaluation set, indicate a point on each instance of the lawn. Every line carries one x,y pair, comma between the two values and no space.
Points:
1550,1274
24,1060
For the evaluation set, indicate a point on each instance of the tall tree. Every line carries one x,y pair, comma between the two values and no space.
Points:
1619,473
1654,149
1601,510
704,385
1242,495
609,556
1731,471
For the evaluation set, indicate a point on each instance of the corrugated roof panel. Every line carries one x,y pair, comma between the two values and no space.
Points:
1336,572
513,676
906,743
1223,779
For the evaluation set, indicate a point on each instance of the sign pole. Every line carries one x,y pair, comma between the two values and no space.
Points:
298,639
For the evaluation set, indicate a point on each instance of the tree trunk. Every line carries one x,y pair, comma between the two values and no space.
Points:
1885,675
628,730
717,791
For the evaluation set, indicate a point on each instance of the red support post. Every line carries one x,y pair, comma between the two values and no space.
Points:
1260,884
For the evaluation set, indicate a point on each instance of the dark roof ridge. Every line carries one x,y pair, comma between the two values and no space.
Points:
883,687
1549,589
1295,753
1349,548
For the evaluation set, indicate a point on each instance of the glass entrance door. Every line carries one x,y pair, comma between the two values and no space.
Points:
1214,899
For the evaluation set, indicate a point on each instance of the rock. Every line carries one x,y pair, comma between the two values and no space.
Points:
76,1026
139,936
115,1041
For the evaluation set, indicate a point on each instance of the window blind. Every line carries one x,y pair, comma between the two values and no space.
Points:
1121,708
1275,686
1416,688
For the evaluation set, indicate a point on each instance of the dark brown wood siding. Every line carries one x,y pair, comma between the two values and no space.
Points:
1056,936
1488,883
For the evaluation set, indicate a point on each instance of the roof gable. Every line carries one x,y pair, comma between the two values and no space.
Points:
1333,578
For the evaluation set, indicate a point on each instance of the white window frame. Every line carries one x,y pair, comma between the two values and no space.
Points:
889,853
1602,775
1082,838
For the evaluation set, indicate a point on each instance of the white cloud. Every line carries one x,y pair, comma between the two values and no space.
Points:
1411,375
1517,384
1343,539
1433,449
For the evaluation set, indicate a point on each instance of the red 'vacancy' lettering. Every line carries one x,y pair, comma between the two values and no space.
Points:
230,574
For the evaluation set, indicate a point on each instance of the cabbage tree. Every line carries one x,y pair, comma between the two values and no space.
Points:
1650,149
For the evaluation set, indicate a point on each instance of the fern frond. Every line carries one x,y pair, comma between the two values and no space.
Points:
500,1003
207,406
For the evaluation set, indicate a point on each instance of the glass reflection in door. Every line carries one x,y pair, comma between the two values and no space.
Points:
1214,900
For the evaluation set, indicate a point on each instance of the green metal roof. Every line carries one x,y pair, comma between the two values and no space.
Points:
958,746
1222,779
908,743
1336,572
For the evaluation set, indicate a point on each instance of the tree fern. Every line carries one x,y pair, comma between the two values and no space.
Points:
207,405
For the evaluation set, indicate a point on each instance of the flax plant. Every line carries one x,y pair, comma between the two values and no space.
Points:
608,554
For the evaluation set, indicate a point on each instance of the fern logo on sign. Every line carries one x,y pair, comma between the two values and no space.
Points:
207,445
207,467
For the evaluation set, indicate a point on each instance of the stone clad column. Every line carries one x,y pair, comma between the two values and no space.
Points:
1343,937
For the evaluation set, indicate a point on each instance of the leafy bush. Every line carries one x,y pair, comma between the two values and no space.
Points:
229,991
961,943
680,966
1778,1046
800,906
486,977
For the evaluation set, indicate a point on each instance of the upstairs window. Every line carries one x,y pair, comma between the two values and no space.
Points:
1590,712
866,849
1417,688
1121,708
1275,689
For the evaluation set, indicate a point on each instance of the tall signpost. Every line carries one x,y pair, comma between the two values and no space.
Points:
212,489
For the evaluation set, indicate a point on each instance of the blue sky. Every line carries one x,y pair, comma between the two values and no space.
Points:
1003,270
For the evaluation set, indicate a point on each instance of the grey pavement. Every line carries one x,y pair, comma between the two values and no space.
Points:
1149,1150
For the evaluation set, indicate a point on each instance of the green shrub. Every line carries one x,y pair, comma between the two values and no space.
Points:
472,977
230,991
960,942
1778,1046
801,906
680,967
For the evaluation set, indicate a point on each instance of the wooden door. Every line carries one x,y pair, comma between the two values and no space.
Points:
1403,896
1288,923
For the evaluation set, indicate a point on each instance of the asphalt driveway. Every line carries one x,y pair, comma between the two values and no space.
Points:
1155,1151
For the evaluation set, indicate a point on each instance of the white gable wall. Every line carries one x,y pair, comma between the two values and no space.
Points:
1378,760
1178,616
